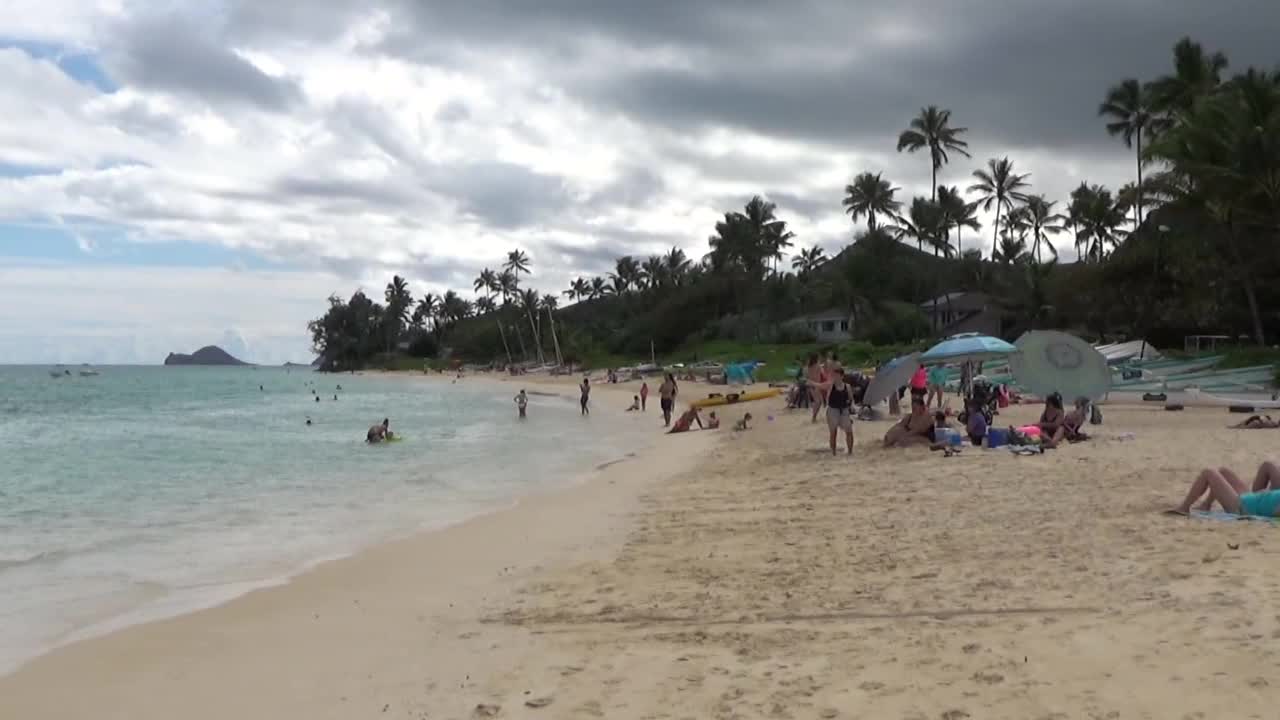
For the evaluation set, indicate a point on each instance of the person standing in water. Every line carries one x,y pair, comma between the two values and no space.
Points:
585,387
522,401
667,396
378,433
644,396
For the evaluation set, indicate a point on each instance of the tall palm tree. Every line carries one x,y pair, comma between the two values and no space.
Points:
517,262
626,274
399,306
654,271
549,303
1042,222
808,260
957,213
428,306
1011,248
1000,187
1195,75
870,195
769,234
932,129
597,287
1128,107
1099,219
923,222
508,284
487,282
485,305
530,302
579,289
1076,208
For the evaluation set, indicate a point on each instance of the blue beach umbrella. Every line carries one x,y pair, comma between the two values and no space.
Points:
968,346
891,376
1050,361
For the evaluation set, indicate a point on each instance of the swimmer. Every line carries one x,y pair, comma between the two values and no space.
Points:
522,402
378,433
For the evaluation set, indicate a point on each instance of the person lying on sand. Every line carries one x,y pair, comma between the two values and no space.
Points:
914,429
1256,423
685,421
743,424
1229,491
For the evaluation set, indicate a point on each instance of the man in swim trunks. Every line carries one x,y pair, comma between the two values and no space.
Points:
585,387
667,396
522,402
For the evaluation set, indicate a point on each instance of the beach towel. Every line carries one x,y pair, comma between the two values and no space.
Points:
1221,516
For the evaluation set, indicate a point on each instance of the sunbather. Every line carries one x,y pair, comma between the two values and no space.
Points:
1257,423
1069,430
1229,491
915,429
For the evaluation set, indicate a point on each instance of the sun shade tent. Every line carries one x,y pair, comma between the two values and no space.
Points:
893,375
1049,361
969,346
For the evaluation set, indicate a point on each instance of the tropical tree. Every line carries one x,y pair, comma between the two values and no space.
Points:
517,262
870,195
1000,187
508,284
1099,220
579,289
654,271
487,282
549,303
768,234
485,305
1128,107
923,222
426,309
1196,74
399,305
1041,222
530,302
598,288
677,265
808,260
932,129
1010,250
956,213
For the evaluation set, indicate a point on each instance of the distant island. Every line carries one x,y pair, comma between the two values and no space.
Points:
207,355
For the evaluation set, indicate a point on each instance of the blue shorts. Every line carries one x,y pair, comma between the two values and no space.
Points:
1260,504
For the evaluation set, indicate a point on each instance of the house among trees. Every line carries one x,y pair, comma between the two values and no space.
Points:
964,312
833,325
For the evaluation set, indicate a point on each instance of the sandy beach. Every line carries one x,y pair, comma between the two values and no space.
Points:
752,575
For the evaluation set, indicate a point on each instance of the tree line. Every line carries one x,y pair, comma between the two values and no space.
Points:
1206,195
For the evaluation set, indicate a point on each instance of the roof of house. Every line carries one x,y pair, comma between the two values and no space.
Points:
953,298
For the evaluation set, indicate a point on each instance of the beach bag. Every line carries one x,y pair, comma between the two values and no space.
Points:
1095,415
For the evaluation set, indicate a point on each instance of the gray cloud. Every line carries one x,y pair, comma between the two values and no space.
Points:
174,54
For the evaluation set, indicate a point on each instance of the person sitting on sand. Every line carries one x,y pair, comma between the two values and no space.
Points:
686,421
635,404
713,422
915,429
1256,423
378,433
1070,428
1229,491
743,424
1053,416
522,402
976,424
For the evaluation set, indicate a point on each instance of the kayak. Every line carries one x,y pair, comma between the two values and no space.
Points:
733,398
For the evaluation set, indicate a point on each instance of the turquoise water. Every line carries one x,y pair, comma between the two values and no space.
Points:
149,491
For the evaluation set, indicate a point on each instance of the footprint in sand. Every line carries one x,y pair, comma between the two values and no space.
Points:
988,678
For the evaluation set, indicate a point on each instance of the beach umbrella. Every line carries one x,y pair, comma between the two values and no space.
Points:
969,346
1049,361
893,375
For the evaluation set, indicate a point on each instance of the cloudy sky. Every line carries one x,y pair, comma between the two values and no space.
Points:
179,173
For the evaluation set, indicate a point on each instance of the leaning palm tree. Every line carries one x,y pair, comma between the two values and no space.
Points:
1128,107
1000,187
549,303
530,302
488,283
870,195
932,129
1041,222
808,260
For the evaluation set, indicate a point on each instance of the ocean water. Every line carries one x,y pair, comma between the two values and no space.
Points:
150,491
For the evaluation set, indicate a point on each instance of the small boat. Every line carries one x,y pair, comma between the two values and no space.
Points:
89,373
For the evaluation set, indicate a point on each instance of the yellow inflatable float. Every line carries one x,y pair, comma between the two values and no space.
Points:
731,398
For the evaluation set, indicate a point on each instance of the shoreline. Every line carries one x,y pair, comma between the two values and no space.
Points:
158,605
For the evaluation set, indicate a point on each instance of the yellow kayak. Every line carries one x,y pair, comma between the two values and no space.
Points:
732,397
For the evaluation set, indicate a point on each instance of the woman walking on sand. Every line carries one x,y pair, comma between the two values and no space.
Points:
644,396
667,395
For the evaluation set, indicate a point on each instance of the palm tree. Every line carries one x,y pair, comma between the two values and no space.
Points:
932,129
517,262
654,271
1000,187
597,287
677,265
626,275
1011,248
924,223
1128,107
956,213
508,284
487,282
530,302
1195,75
399,305
1099,219
768,234
870,195
578,290
808,260
1042,222
485,305
428,306
549,303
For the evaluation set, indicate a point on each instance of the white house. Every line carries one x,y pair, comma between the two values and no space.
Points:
834,325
